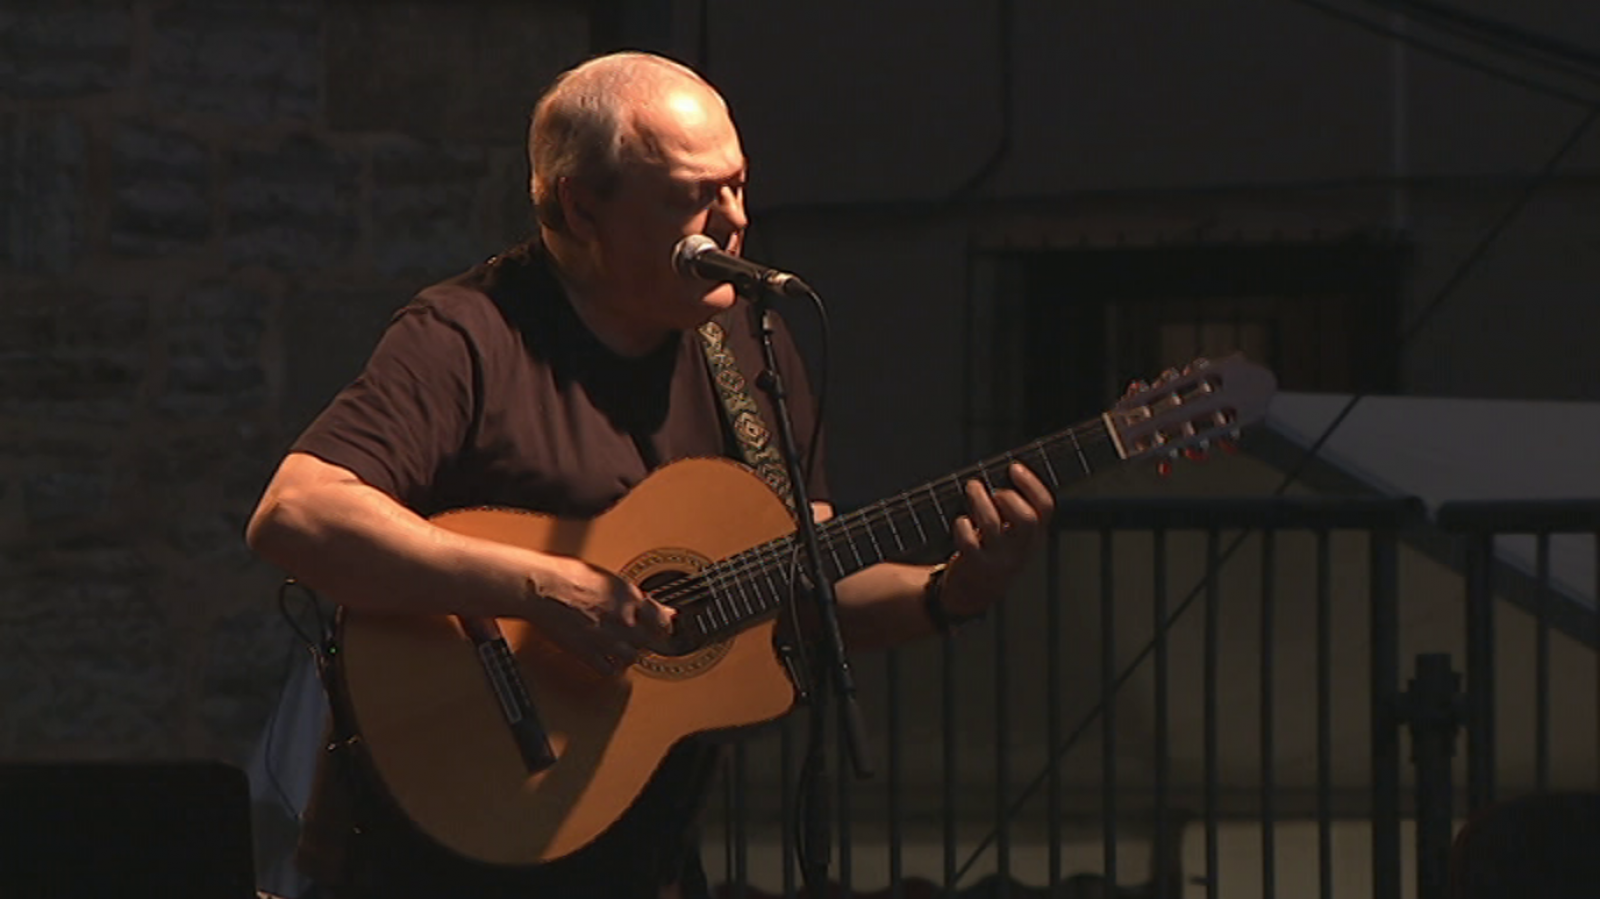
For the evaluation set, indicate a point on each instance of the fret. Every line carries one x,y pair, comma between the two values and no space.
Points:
712,604
776,567
921,534
744,596
876,549
769,593
854,550
939,507
753,587
725,599
893,531
1049,469
1077,447
778,592
838,564
751,597
758,589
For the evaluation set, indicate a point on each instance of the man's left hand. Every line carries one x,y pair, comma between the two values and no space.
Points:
994,540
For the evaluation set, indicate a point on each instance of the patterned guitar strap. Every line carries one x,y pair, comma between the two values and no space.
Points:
742,415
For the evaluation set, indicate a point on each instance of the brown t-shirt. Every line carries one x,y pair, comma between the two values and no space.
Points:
487,389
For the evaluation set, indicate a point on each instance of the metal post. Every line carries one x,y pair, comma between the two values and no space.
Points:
1384,636
1433,711
1480,672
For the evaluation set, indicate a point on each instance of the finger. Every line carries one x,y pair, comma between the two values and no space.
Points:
627,599
655,617
1033,489
980,508
1020,518
965,535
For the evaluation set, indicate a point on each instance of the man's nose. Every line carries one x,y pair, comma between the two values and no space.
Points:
730,206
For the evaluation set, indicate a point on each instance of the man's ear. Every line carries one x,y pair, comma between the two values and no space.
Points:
577,208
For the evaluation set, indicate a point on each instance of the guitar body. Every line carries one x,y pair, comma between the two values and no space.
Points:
434,731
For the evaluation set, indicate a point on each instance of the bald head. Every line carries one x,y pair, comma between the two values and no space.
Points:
585,127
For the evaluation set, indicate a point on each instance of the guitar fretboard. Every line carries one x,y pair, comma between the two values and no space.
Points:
752,585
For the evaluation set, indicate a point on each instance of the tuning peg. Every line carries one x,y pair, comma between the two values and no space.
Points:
1195,453
1136,387
1228,445
1164,464
1170,375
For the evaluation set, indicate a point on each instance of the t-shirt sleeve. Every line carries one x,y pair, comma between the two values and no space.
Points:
407,413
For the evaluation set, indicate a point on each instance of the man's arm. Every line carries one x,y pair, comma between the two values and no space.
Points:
339,535
884,604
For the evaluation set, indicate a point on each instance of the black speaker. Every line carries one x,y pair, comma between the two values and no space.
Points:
125,829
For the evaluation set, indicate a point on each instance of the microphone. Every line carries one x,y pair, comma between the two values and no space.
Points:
699,256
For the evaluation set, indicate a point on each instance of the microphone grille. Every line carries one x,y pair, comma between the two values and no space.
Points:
688,250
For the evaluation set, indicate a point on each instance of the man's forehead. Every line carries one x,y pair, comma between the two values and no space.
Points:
694,146
710,168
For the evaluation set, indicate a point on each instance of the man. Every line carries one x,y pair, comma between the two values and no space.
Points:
555,377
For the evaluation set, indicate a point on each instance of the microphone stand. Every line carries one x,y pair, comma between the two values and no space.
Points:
834,669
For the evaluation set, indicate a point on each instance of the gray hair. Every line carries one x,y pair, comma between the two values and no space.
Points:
582,122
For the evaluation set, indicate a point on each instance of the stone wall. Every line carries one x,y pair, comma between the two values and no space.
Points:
207,210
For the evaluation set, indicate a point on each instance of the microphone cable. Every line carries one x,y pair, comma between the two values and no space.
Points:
807,821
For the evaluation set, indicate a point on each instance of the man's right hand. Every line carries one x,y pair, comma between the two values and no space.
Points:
598,617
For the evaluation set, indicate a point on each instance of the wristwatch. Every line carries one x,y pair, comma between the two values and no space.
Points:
944,621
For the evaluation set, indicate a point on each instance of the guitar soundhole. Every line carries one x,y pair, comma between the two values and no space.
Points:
656,581
654,571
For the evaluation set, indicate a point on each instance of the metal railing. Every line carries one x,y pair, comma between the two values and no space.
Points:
1191,689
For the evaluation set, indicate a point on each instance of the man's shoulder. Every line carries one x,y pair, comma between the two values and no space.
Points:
492,296
458,300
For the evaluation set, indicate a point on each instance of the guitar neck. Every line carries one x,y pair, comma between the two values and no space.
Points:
1182,410
752,585
905,524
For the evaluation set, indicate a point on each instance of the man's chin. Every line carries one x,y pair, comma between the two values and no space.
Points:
719,297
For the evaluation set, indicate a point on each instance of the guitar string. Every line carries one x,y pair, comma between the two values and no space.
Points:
1092,432
849,528
745,568
855,523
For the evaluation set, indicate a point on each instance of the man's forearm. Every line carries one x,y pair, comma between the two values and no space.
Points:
882,605
364,550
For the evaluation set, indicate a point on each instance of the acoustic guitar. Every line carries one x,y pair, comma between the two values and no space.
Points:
446,707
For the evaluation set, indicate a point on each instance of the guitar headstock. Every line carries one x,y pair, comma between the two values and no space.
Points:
1204,405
